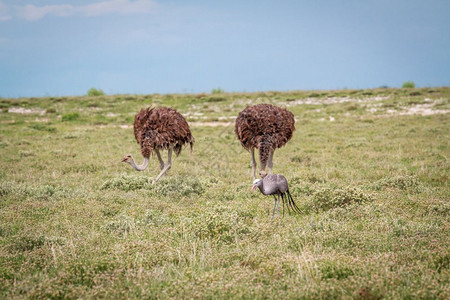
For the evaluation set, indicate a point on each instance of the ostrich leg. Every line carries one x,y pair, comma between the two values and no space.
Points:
264,155
161,162
253,162
166,166
270,161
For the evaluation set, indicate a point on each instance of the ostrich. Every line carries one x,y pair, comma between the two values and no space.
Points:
157,129
276,185
265,127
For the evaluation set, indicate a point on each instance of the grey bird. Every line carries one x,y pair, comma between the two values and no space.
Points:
276,185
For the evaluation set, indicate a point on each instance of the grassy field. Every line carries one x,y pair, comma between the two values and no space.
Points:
368,167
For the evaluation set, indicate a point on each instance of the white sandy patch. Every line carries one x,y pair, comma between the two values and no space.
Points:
21,110
227,118
41,120
420,109
334,100
425,109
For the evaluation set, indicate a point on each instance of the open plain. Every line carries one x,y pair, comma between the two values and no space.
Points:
369,168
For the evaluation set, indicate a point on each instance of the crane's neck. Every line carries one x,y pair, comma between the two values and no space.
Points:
140,167
261,188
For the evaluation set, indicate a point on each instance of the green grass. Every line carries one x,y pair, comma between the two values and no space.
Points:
371,179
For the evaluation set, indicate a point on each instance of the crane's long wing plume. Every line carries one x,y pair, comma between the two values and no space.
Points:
283,200
292,203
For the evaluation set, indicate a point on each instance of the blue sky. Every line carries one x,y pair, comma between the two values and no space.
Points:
64,47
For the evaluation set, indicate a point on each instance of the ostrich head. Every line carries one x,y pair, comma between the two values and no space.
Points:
257,183
127,159
262,174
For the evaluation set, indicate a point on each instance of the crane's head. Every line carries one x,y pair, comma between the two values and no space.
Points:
127,158
256,183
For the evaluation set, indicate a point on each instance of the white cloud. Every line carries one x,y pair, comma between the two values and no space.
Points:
4,13
107,7
117,7
33,13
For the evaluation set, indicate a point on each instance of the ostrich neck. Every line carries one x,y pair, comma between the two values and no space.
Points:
140,167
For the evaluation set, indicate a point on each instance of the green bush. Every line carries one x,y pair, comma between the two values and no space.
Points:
7,188
405,183
178,186
42,127
216,99
70,117
27,243
95,92
332,269
217,91
408,85
121,226
155,218
328,198
126,183
219,223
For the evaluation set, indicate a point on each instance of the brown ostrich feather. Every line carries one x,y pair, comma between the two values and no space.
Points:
161,128
265,127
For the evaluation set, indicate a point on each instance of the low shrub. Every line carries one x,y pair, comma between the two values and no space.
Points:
41,127
27,243
41,192
70,117
25,153
126,183
408,85
216,99
217,91
301,159
178,186
402,182
331,269
122,226
95,92
327,198
219,223
7,187
155,218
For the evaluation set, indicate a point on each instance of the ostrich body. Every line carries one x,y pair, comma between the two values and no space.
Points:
157,129
265,127
276,185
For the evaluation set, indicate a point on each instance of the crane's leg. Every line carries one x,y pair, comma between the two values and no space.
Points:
161,162
274,205
278,206
253,162
166,166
